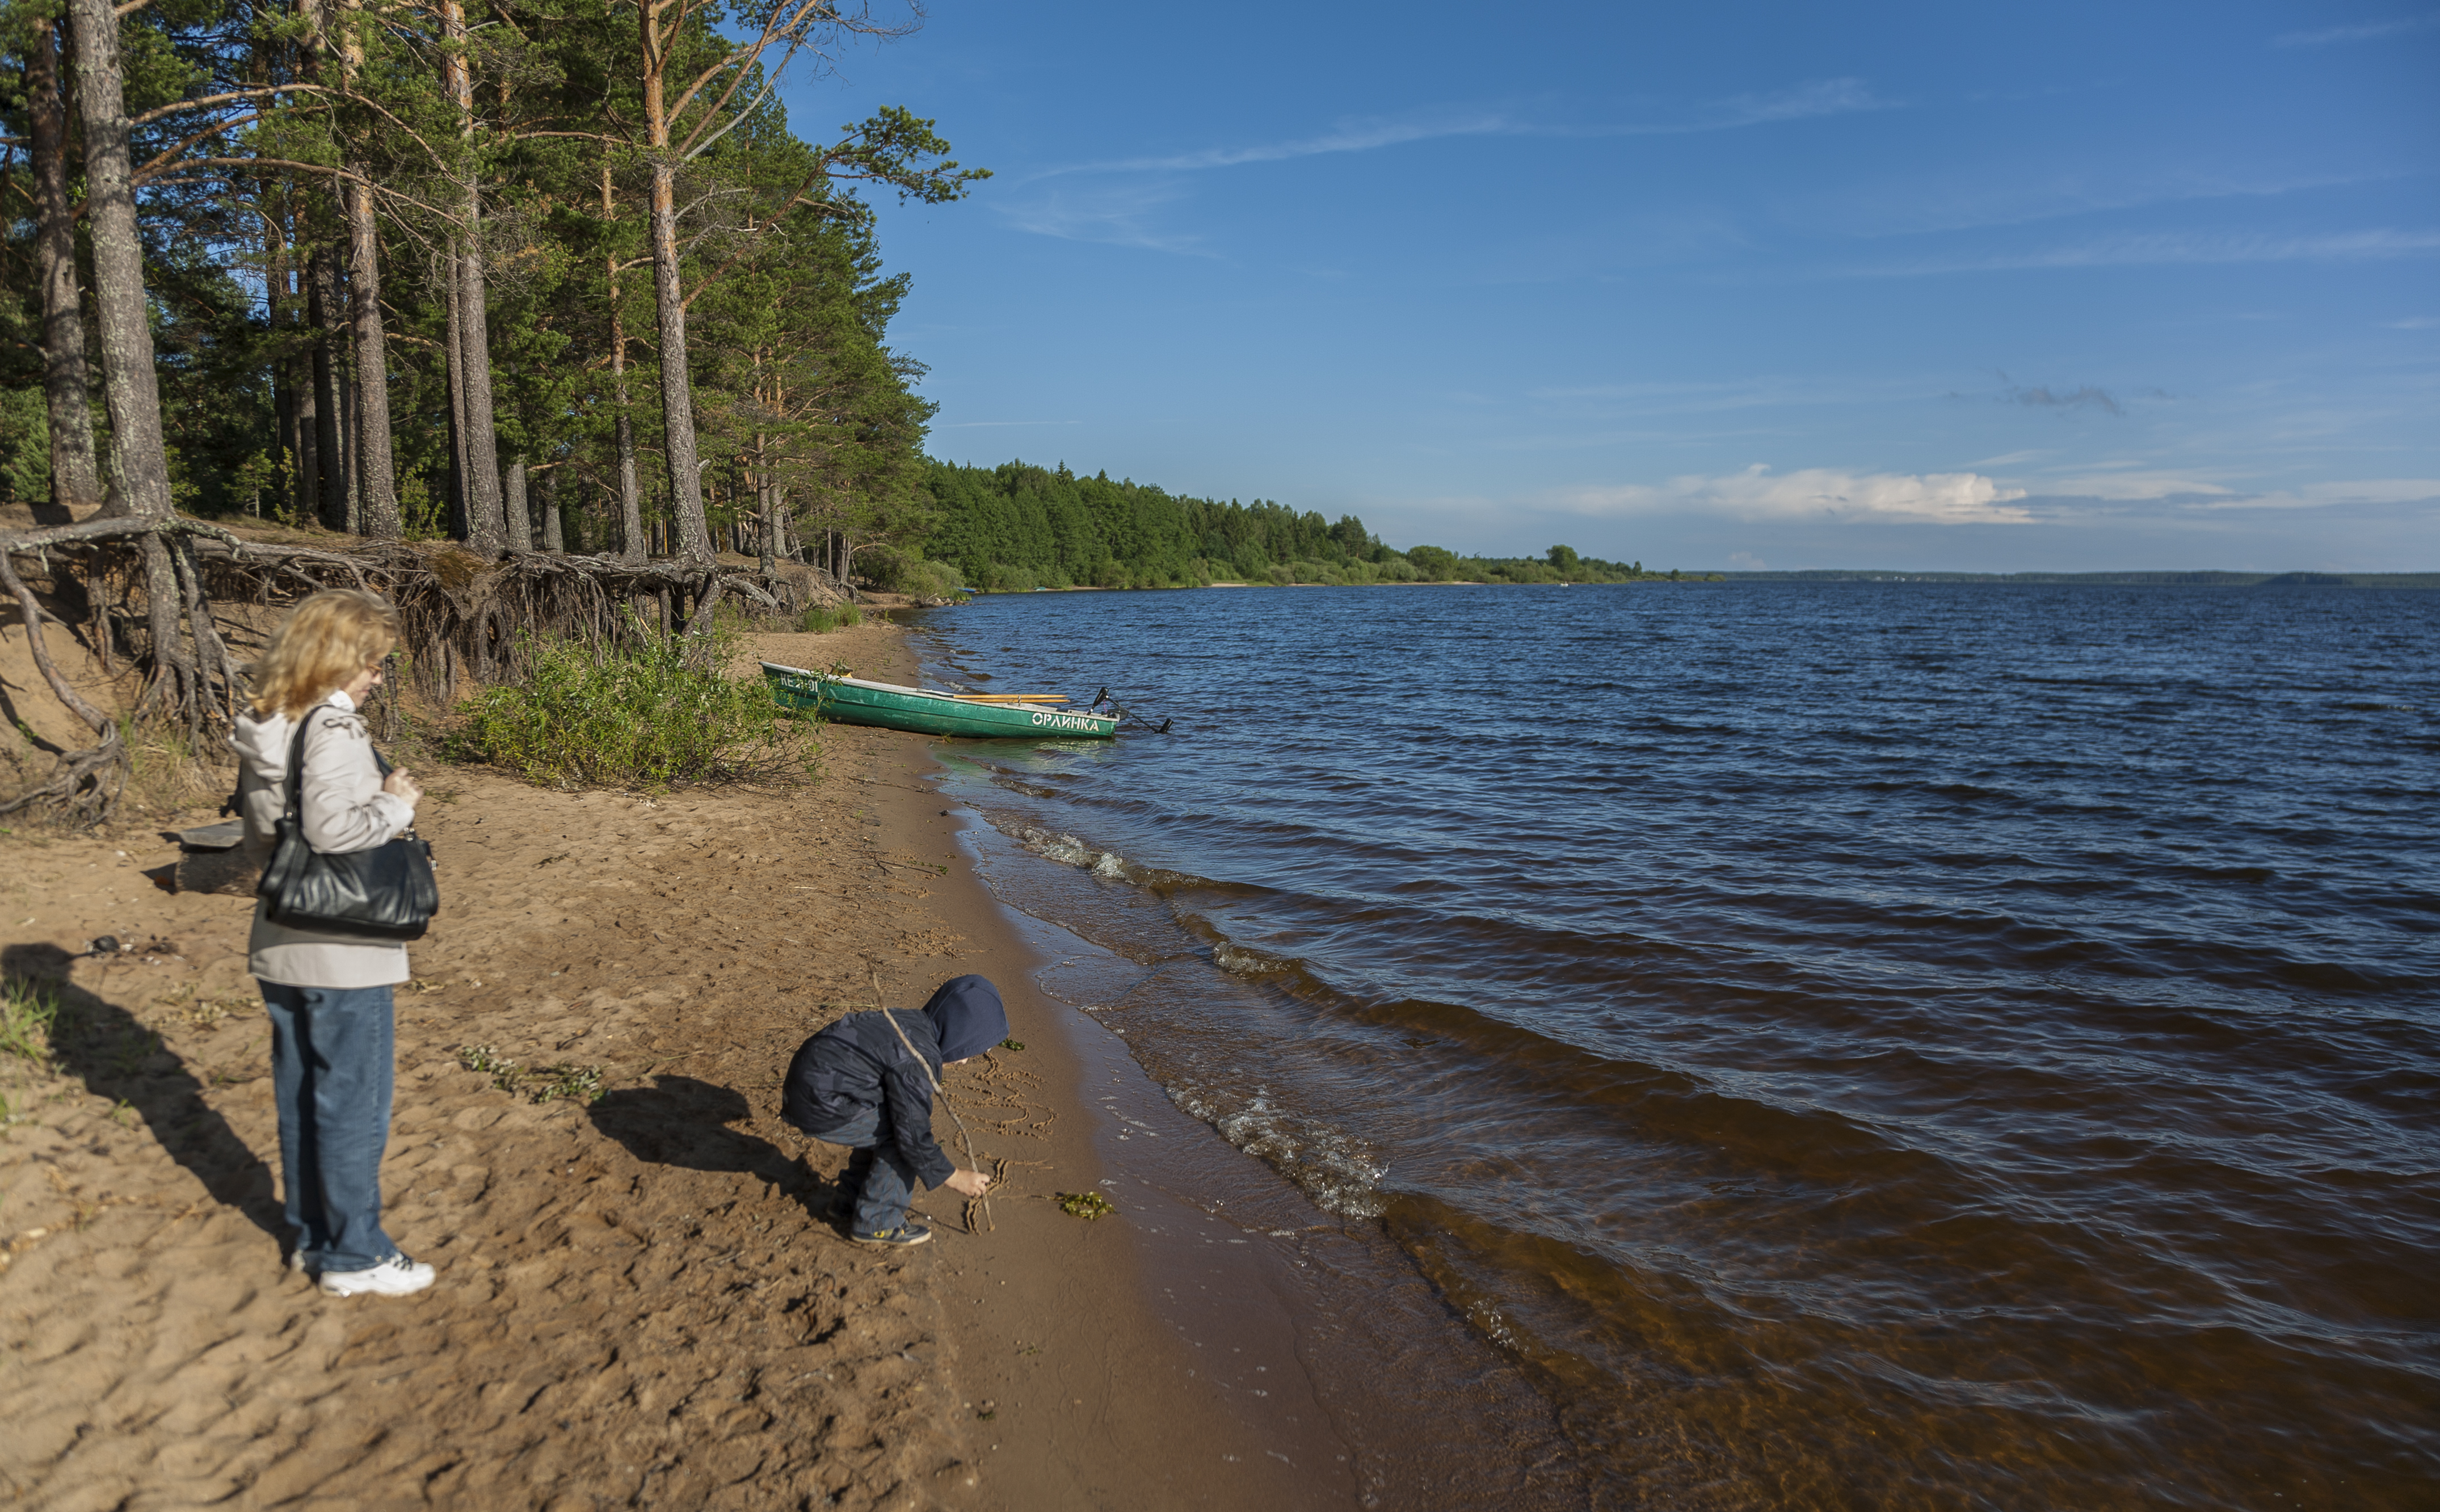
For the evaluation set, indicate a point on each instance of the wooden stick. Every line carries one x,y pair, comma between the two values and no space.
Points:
942,1098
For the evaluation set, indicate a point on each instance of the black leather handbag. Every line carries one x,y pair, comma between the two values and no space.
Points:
385,892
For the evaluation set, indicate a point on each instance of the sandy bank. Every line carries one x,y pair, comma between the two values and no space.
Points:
640,1303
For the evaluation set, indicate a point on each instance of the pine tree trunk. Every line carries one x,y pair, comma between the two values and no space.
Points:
678,395
552,539
478,444
455,358
485,526
633,545
330,447
376,471
76,471
138,461
519,521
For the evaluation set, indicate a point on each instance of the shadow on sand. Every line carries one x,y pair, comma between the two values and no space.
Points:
120,1059
683,1122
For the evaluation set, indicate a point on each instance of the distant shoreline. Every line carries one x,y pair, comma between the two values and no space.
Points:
2134,580
2172,580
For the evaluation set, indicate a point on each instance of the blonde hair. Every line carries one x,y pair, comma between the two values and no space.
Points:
322,643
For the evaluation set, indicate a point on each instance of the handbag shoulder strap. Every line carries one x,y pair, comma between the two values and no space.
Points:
295,806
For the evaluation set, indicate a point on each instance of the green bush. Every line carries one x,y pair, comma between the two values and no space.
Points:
900,572
822,618
932,580
644,714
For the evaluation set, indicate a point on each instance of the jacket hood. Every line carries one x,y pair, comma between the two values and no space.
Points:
968,1016
262,740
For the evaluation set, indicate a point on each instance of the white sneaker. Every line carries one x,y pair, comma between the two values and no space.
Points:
397,1276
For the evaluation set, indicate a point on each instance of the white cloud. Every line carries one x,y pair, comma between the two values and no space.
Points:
2366,31
1821,495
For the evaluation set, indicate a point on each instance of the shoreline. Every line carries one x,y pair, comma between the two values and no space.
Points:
639,1300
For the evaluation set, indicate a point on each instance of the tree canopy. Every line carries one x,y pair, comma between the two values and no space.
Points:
538,274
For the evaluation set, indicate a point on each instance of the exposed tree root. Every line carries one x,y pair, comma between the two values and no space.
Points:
87,782
465,620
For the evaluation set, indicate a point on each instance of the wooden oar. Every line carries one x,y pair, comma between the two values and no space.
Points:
1010,698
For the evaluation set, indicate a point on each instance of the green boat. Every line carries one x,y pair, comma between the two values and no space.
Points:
988,716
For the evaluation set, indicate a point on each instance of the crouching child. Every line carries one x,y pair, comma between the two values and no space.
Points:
857,1084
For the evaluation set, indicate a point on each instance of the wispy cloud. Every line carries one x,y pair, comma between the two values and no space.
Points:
2044,396
2122,483
2366,31
2333,495
1356,136
2176,247
2131,484
1986,202
1829,96
1116,214
1818,494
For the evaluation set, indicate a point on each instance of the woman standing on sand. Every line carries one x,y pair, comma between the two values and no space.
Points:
331,1058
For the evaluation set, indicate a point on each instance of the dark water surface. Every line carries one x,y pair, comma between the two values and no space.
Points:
1852,1045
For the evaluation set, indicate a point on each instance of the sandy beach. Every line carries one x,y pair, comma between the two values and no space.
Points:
639,1301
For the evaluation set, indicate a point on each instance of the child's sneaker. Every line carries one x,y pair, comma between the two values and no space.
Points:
397,1276
902,1236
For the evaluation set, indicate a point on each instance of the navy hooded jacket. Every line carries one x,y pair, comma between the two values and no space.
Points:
860,1064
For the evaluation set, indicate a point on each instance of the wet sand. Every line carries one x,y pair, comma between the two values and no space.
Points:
639,1302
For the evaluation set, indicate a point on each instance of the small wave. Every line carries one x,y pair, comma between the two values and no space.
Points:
1333,1168
1070,851
1243,962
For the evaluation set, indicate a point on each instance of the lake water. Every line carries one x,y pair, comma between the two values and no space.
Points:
1850,1045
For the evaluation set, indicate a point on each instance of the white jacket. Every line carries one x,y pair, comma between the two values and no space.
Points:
344,809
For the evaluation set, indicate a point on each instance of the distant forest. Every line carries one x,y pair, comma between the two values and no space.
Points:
1016,527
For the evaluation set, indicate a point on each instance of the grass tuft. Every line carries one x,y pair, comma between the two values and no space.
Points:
571,1084
30,1011
822,619
645,714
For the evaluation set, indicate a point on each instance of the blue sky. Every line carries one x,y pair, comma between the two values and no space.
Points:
1929,286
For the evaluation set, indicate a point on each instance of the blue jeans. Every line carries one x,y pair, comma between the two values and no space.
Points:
878,1177
332,1061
